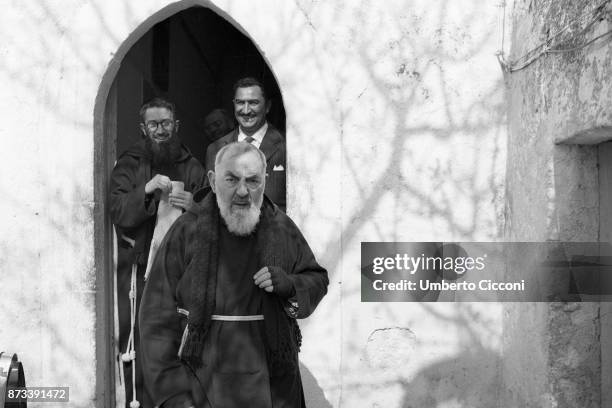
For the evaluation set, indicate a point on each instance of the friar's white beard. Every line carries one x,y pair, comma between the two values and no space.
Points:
239,221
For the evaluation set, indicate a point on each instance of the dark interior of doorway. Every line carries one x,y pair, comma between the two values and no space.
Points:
192,59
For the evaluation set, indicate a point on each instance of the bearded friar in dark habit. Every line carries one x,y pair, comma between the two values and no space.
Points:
218,315
143,173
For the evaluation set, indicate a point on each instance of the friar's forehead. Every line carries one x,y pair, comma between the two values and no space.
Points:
234,151
156,112
246,163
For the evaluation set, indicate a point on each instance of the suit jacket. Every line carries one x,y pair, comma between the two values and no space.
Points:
273,146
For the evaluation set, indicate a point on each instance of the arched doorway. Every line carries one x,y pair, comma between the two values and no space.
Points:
190,54
192,59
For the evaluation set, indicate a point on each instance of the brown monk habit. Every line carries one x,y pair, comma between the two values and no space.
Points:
226,362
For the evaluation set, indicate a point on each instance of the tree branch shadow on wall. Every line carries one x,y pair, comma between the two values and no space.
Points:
463,381
419,67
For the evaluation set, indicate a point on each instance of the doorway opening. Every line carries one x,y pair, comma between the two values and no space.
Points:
583,198
604,166
191,56
192,59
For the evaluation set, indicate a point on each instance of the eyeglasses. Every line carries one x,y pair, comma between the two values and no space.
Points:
166,124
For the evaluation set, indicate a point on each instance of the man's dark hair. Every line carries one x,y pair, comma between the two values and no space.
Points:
250,81
157,103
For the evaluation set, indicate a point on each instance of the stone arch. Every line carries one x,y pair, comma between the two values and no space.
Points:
106,122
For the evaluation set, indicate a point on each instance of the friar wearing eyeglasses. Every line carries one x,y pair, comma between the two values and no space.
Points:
143,174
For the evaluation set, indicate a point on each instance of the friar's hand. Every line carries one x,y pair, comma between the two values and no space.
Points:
274,279
158,182
181,199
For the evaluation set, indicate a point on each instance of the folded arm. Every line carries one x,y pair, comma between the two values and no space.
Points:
130,206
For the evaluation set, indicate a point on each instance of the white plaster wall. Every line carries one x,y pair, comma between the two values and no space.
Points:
553,193
396,132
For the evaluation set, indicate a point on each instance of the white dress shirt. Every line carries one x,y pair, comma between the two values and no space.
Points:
258,136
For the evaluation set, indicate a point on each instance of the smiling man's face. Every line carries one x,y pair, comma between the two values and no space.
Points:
250,108
158,124
162,142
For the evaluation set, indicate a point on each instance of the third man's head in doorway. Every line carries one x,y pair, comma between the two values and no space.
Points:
250,105
217,124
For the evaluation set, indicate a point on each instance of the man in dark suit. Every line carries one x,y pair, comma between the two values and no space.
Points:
250,108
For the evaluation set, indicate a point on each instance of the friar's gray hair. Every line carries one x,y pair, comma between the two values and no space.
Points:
237,149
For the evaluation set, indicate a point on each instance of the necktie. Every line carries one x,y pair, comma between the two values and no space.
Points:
249,139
